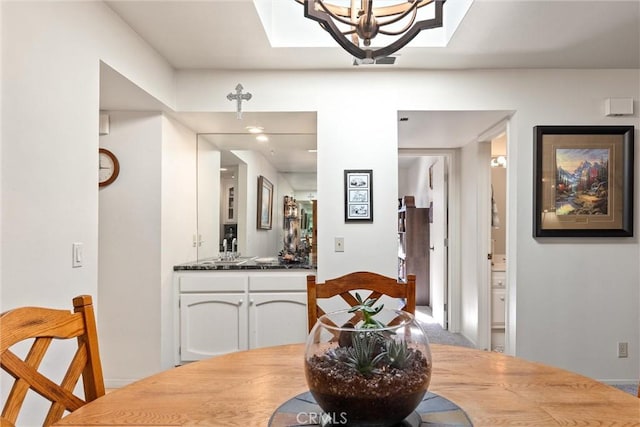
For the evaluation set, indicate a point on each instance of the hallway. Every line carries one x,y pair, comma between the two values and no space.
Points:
435,332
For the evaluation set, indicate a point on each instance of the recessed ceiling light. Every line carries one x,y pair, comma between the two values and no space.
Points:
223,169
262,138
254,129
313,151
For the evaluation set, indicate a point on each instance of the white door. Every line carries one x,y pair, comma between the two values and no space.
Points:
483,218
277,318
212,324
438,241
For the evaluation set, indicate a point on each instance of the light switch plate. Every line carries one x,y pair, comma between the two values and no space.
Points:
76,255
339,244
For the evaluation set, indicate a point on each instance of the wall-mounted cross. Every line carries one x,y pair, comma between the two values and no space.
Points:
239,97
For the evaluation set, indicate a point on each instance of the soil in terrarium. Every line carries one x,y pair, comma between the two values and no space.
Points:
383,397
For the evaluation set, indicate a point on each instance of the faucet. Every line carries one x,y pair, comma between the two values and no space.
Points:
224,248
234,247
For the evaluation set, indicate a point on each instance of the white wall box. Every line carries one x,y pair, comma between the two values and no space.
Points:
618,107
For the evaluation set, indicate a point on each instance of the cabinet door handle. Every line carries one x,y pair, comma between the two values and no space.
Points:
250,302
501,298
240,302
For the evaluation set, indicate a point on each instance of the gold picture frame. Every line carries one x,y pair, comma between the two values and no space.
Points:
583,181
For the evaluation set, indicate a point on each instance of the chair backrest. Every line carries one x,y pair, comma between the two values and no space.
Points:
378,285
46,324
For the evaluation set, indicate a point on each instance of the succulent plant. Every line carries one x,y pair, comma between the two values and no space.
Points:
363,355
398,353
368,311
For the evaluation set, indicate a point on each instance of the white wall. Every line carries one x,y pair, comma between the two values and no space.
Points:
208,200
51,54
178,222
499,184
470,281
417,184
146,221
365,136
568,313
263,243
129,249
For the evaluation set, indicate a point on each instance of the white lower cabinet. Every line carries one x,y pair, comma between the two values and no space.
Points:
212,324
277,318
223,312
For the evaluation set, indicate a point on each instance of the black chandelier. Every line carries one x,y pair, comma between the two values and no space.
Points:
364,22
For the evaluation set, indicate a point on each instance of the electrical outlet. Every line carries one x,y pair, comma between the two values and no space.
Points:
339,244
623,349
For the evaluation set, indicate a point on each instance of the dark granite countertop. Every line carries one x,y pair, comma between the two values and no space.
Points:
253,263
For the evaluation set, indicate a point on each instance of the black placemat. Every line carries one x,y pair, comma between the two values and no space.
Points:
434,410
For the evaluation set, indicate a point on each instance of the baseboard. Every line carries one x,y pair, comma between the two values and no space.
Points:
621,382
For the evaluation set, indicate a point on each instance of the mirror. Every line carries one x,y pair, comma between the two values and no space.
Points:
228,167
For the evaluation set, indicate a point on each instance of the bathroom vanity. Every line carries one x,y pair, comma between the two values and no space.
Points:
498,306
227,307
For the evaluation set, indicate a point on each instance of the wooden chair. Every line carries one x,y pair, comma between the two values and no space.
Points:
378,285
45,324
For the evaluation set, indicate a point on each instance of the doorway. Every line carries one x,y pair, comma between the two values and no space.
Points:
424,175
498,253
455,136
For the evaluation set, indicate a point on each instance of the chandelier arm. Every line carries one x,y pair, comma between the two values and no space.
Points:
324,19
435,22
385,11
405,28
413,9
379,12
333,15
345,33
328,24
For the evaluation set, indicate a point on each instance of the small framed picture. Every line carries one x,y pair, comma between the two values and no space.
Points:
358,195
583,181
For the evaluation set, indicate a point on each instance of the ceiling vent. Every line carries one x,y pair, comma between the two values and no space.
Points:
384,60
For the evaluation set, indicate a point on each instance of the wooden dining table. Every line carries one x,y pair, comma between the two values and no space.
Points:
245,388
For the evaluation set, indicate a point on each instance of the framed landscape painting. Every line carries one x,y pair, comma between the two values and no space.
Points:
358,195
583,181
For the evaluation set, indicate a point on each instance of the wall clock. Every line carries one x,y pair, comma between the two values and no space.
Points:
109,167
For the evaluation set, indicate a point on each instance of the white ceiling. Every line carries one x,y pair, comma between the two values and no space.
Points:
228,34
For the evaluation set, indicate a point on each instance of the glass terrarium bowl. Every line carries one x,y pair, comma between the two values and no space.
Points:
368,375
